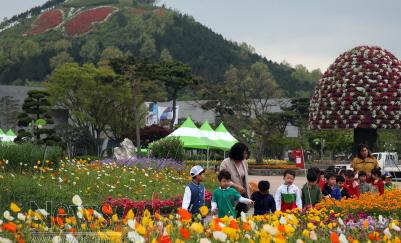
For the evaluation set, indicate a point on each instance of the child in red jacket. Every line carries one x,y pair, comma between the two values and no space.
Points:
377,183
351,184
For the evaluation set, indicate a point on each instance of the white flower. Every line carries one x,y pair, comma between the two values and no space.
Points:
8,216
313,235
97,214
243,217
204,240
21,217
270,229
76,200
387,233
5,240
56,239
70,238
394,227
131,224
42,212
220,236
343,239
135,237
79,214
299,241
60,180
283,220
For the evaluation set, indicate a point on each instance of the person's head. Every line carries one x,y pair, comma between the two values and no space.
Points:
311,176
197,173
317,171
224,178
239,152
289,177
363,151
376,173
340,180
349,175
362,176
342,172
331,179
387,178
264,187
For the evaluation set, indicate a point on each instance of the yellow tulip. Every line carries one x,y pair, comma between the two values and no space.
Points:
130,214
197,228
114,218
14,207
204,210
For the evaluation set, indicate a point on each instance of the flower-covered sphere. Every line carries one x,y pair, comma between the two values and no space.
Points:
361,89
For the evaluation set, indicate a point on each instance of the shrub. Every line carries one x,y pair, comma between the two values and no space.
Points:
169,147
26,156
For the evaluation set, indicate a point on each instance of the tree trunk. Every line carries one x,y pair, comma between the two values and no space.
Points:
174,110
259,150
136,114
366,136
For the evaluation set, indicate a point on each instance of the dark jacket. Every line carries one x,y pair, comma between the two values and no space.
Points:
311,195
264,203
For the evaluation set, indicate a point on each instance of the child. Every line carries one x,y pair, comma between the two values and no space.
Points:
224,197
340,180
364,187
194,195
288,195
264,202
351,184
331,190
311,193
377,182
322,180
388,184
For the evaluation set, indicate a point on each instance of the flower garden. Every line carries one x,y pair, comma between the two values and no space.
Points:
82,23
46,21
139,200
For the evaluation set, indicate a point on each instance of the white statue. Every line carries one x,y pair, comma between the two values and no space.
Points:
125,151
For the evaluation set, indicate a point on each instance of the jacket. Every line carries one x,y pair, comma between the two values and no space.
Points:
229,165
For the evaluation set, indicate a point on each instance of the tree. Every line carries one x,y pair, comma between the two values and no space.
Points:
176,76
35,119
9,108
59,59
90,94
137,74
108,54
90,51
148,48
165,56
243,102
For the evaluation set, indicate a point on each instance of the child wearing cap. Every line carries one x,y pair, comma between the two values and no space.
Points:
388,184
194,195
225,197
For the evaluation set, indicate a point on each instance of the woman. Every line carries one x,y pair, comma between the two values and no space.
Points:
238,167
364,161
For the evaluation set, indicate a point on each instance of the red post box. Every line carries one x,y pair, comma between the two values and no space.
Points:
298,156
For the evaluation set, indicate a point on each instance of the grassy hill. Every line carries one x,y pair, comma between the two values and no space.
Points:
33,43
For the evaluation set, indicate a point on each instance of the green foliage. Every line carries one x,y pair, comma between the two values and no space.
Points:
25,156
169,147
87,3
334,140
35,118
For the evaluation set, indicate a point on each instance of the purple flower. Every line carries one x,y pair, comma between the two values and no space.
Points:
156,164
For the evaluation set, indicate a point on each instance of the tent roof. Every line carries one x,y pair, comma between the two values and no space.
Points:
214,140
10,133
225,137
190,135
221,128
1,131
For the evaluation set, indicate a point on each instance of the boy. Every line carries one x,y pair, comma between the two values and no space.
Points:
224,197
311,193
351,184
194,195
264,202
377,182
364,187
388,184
331,190
340,180
288,195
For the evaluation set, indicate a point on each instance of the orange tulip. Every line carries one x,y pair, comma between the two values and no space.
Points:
334,237
185,233
184,214
10,227
107,209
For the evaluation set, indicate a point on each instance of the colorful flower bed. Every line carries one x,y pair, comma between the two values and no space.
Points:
82,23
320,225
361,89
46,21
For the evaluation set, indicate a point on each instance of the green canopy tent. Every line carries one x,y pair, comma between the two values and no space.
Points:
2,134
9,136
190,135
225,138
213,140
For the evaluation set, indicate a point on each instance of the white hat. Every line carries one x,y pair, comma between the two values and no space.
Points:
196,170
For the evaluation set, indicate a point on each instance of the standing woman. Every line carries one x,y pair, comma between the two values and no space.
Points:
364,161
237,165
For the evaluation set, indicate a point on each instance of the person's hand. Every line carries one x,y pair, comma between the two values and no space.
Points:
214,212
355,184
251,203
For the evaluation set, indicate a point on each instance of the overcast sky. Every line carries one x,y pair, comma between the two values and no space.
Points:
308,32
